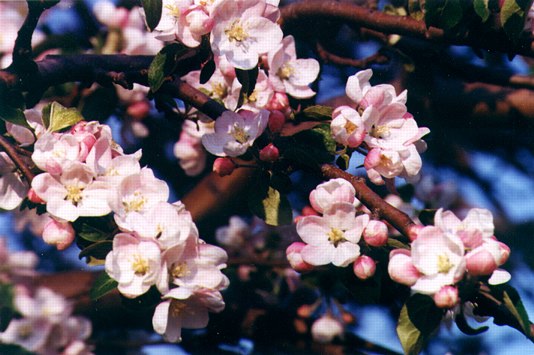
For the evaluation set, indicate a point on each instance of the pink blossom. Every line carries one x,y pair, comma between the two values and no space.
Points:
59,234
12,188
476,227
347,126
294,256
401,268
376,233
276,121
326,328
269,153
53,151
330,192
224,166
364,267
446,297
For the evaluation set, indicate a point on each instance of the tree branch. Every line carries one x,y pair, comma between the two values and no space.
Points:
19,160
329,57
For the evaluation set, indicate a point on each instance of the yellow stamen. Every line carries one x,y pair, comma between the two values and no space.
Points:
74,194
444,264
239,134
285,72
140,265
236,32
134,203
219,90
179,271
336,236
176,308
379,131
173,10
350,127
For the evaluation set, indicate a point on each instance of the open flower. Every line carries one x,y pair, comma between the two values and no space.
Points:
332,238
235,132
326,194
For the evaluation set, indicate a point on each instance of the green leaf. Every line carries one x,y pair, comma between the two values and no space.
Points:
98,250
418,319
426,216
462,324
7,310
13,115
207,71
56,117
343,161
445,14
513,16
248,79
153,9
164,64
482,9
269,204
12,349
318,112
515,306
91,233
396,244
325,134
102,285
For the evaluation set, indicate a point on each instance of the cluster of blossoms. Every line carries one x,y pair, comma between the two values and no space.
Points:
450,251
332,233
86,174
381,124
45,324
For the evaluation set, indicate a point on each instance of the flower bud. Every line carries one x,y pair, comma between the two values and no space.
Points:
223,166
295,258
376,233
446,297
269,153
326,328
276,121
32,196
309,211
504,253
279,101
401,269
480,261
59,234
364,267
138,110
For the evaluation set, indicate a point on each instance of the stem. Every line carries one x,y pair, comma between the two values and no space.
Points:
11,151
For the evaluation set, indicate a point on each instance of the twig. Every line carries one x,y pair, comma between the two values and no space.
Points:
11,151
329,57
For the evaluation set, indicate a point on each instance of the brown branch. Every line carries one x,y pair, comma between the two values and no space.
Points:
305,13
372,200
19,161
329,57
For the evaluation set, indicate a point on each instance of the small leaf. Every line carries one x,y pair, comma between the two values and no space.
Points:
153,9
482,9
513,303
326,135
462,324
91,233
248,79
207,71
7,310
98,250
419,317
56,117
164,64
269,204
445,14
10,113
513,16
318,112
396,244
343,161
102,285
426,216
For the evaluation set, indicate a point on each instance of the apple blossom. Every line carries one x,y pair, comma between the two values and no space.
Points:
295,258
235,132
376,233
332,238
364,267
224,166
446,297
347,126
59,234
401,268
326,328
235,234
476,227
269,153
12,188
241,33
330,192
276,121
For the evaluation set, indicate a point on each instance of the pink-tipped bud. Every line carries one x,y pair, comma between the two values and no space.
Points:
376,233
269,153
294,256
309,211
59,234
446,297
32,196
504,252
364,267
279,101
481,262
223,166
138,110
401,269
276,121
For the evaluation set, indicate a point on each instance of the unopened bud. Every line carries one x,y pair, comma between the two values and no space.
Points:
364,267
33,197
276,121
223,166
326,328
376,233
446,297
59,234
279,101
269,153
293,253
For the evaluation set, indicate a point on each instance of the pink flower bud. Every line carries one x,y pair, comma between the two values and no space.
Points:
309,211
364,267
504,253
293,254
276,121
59,234
138,110
279,101
480,262
376,233
223,166
32,196
269,153
401,269
446,297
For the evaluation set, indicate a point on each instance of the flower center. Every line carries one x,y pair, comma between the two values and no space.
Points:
179,271
140,265
379,131
350,127
239,134
236,32
74,194
444,264
285,71
173,10
24,331
219,90
336,236
134,203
